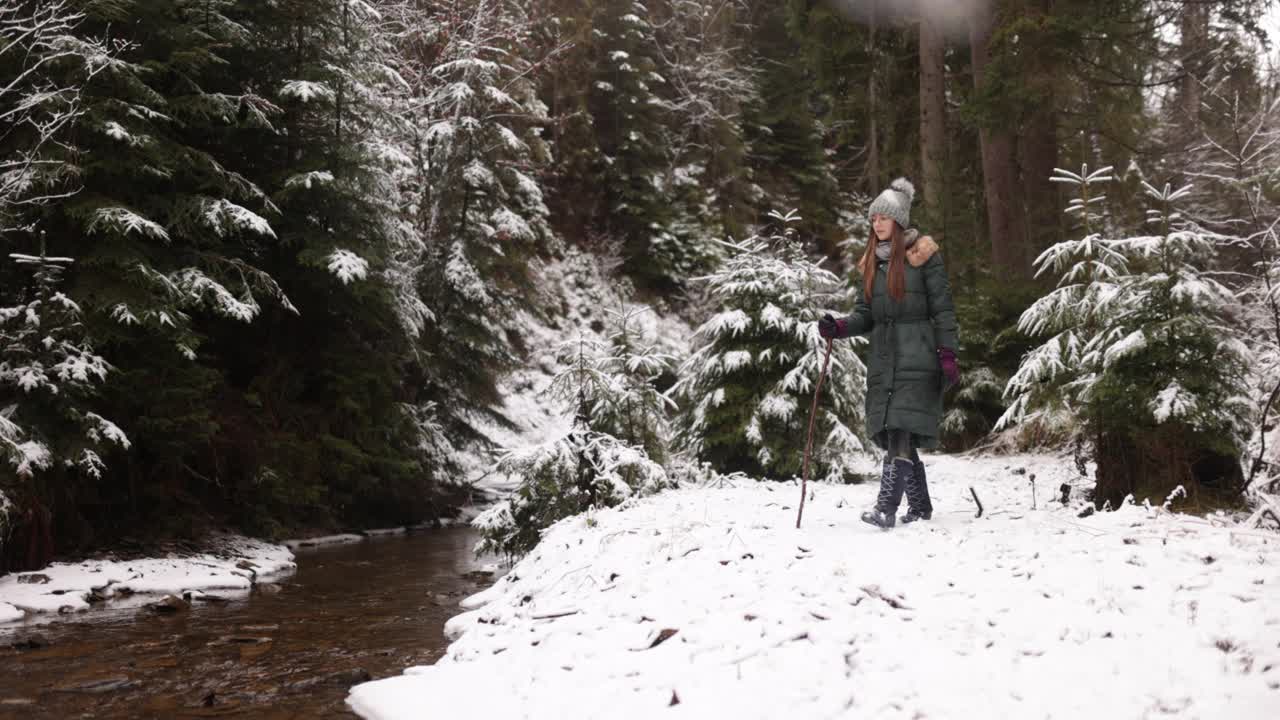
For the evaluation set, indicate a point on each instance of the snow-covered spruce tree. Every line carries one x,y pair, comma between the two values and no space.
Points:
165,233
220,157
746,389
709,79
51,431
979,398
579,472
610,385
348,439
49,373
1144,357
788,157
174,229
44,65
473,195
1234,162
629,104
635,411
612,453
46,363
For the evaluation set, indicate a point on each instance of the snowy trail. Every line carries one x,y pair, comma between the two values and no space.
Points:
712,600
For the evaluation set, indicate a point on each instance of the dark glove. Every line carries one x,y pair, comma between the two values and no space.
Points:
950,368
831,328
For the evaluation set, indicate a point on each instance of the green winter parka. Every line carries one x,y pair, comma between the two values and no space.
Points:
904,377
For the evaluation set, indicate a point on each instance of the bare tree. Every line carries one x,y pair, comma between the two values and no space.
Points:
709,78
39,100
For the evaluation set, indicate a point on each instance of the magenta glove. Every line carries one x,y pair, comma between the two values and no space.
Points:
950,368
831,328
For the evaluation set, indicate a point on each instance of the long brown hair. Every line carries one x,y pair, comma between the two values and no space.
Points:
897,264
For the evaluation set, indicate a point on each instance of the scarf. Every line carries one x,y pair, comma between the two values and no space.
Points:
885,249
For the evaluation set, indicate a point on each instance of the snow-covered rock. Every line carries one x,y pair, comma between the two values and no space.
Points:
235,566
708,603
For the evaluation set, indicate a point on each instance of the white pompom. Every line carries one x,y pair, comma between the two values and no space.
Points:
905,187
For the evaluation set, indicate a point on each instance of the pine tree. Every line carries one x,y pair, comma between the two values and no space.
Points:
470,198
789,160
44,66
636,412
710,79
225,151
611,384
744,389
631,115
165,232
49,375
577,473
49,369
348,439
1234,164
1144,356
604,459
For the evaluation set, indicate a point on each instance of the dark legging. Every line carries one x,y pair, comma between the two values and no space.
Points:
901,444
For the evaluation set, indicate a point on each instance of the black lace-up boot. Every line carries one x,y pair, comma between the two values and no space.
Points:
919,506
894,476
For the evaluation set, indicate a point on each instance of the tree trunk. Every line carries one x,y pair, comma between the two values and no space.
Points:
1195,41
933,123
998,166
873,150
1039,148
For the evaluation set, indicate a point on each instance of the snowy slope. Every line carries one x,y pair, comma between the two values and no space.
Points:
708,603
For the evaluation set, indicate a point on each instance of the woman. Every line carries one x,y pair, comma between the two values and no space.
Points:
905,305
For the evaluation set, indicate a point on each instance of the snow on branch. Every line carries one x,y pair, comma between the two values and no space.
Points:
126,222
306,91
348,266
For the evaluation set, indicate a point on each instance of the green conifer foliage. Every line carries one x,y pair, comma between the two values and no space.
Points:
628,103
1143,360
746,390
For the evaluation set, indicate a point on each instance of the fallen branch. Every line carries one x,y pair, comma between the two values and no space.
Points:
893,602
551,616
747,656
1266,506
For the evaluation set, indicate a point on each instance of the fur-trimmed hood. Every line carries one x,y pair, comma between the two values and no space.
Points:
918,252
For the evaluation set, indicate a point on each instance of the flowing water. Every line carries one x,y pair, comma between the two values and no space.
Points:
289,650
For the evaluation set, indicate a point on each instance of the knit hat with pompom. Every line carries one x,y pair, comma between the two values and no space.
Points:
895,202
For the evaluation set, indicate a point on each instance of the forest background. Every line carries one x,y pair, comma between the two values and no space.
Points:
265,264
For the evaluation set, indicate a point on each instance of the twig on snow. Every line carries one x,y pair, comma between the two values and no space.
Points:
550,616
893,602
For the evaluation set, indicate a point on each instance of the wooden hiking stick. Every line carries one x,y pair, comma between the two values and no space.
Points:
808,444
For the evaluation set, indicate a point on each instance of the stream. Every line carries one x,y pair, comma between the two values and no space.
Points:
291,649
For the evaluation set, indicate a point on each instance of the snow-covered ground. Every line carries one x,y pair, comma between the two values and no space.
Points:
230,569
709,603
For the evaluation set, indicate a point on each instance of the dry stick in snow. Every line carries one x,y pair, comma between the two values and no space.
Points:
552,616
975,499
808,444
